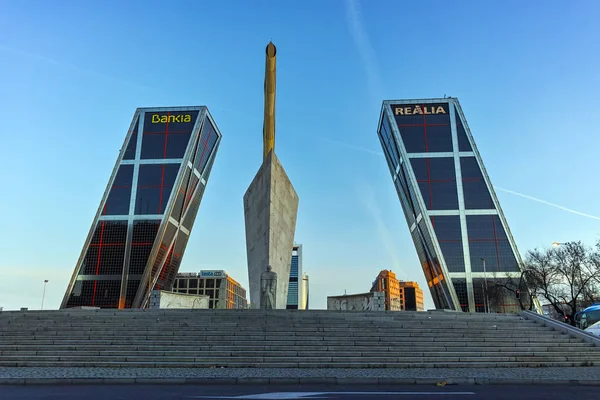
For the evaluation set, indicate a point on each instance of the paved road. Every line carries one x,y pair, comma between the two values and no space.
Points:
306,392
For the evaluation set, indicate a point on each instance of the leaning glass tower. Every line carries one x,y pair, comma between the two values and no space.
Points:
147,212
455,220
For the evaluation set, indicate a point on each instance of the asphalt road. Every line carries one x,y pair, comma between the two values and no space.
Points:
307,392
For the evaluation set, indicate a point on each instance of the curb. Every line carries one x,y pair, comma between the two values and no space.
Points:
294,381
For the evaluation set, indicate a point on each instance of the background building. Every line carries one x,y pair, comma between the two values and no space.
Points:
147,212
387,283
223,291
412,296
398,295
295,287
455,219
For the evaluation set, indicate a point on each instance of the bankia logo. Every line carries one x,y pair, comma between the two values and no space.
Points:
163,119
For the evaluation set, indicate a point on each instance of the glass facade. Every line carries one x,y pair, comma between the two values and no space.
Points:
458,229
141,229
295,285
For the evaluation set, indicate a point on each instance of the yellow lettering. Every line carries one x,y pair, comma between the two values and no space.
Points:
427,112
164,119
440,110
399,111
407,111
418,110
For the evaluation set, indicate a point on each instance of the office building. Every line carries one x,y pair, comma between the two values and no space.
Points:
387,284
398,295
141,229
223,291
295,296
411,296
459,231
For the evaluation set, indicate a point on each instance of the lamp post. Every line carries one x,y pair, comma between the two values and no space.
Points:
485,289
44,293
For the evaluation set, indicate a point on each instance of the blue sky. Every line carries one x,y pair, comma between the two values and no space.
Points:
72,74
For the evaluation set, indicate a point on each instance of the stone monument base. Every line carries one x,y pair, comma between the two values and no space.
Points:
270,210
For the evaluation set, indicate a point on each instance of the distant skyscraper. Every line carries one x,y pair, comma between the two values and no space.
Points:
294,299
146,214
305,292
455,219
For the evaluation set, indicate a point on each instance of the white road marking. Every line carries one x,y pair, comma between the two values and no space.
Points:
319,395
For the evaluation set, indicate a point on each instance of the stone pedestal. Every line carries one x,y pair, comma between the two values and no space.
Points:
270,209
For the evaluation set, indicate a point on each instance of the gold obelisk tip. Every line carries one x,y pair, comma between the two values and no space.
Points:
271,50
270,83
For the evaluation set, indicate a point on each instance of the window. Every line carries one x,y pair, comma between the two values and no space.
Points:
426,127
437,181
476,193
166,135
449,236
132,145
119,196
488,243
463,140
155,184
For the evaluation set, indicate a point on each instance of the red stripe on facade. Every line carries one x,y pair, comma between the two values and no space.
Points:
429,182
409,125
121,244
171,132
98,263
205,142
161,187
166,137
425,131
162,175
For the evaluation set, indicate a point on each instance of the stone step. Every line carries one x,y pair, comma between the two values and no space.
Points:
406,348
175,322
200,335
152,364
269,324
314,359
374,346
255,326
282,339
10,354
367,343
40,333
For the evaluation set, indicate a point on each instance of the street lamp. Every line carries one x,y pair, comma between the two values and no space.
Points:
485,290
44,293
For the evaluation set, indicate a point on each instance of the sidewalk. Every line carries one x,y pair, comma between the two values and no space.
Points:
227,376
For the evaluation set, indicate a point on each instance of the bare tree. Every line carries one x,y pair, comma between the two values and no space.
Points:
509,285
566,276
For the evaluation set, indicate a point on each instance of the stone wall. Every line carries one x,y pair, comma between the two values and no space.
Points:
164,299
374,301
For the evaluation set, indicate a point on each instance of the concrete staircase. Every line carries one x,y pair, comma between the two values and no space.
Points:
283,339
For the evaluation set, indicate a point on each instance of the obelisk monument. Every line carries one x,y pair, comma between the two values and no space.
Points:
270,208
